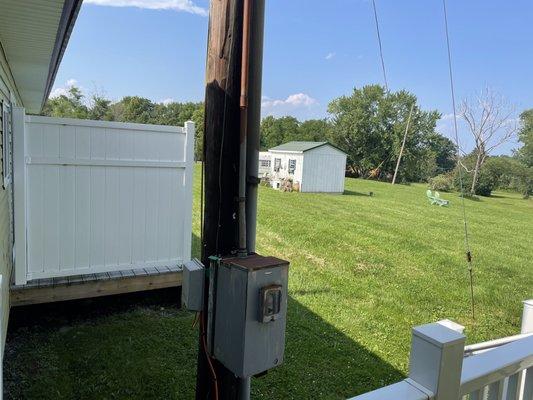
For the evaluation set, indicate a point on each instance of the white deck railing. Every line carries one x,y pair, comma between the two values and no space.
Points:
440,369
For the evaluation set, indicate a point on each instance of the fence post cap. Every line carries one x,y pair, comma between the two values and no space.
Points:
438,334
528,302
452,325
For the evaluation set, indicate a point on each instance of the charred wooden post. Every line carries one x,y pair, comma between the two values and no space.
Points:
221,157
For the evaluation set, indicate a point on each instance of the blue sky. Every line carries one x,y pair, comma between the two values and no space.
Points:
315,50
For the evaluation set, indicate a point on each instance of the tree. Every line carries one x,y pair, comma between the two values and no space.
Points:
134,109
444,149
198,117
100,109
490,122
525,153
275,131
314,130
175,114
69,105
369,125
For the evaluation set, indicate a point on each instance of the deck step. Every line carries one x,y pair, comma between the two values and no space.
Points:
74,287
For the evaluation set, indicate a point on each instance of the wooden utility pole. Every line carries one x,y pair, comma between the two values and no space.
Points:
221,157
403,144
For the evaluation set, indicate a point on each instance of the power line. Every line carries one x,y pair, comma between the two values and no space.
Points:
380,46
456,130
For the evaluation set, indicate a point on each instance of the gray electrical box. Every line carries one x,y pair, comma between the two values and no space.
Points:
192,288
250,313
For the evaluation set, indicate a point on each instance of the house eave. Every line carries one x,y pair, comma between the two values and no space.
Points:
69,14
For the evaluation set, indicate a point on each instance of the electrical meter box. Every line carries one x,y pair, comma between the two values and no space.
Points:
250,313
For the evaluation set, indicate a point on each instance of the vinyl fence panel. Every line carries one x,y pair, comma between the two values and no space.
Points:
104,196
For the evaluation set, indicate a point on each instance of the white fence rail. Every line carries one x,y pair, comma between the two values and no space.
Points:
439,370
97,196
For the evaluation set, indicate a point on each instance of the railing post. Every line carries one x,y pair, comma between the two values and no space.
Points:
436,361
527,317
526,377
190,132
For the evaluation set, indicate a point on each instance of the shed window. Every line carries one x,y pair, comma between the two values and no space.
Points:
7,143
277,164
292,166
265,163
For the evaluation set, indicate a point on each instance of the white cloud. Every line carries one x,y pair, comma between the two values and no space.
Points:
168,101
176,5
63,90
329,56
294,100
299,105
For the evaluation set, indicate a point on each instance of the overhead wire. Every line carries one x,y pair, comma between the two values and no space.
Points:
380,45
461,182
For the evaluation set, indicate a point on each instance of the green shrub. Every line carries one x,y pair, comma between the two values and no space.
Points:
442,182
486,182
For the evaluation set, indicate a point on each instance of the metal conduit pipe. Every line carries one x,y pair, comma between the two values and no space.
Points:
243,252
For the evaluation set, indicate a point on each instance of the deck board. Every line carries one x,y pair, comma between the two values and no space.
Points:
95,285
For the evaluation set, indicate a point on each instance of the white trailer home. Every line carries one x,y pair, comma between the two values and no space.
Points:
265,162
313,166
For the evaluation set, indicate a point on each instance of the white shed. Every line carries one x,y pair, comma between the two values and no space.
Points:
314,166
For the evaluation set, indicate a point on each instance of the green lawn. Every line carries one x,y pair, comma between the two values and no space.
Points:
364,270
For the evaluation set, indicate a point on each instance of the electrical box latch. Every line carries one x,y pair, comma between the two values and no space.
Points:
270,303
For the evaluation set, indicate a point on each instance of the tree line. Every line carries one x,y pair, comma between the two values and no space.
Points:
369,125
136,109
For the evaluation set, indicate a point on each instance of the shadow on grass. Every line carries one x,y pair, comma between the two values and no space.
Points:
354,193
142,347
471,197
321,362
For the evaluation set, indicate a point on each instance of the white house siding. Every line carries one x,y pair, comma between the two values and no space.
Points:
324,170
284,168
9,95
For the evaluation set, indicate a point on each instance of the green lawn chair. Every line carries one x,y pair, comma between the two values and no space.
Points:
435,199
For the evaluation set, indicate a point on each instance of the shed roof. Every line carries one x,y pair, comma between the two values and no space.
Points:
301,146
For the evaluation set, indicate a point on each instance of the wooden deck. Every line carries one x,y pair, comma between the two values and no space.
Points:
95,285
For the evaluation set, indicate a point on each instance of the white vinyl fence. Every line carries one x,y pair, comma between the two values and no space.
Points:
93,196
441,369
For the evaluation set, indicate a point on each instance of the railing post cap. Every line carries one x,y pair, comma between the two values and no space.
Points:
452,325
528,302
438,334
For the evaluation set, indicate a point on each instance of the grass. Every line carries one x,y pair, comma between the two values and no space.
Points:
364,270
